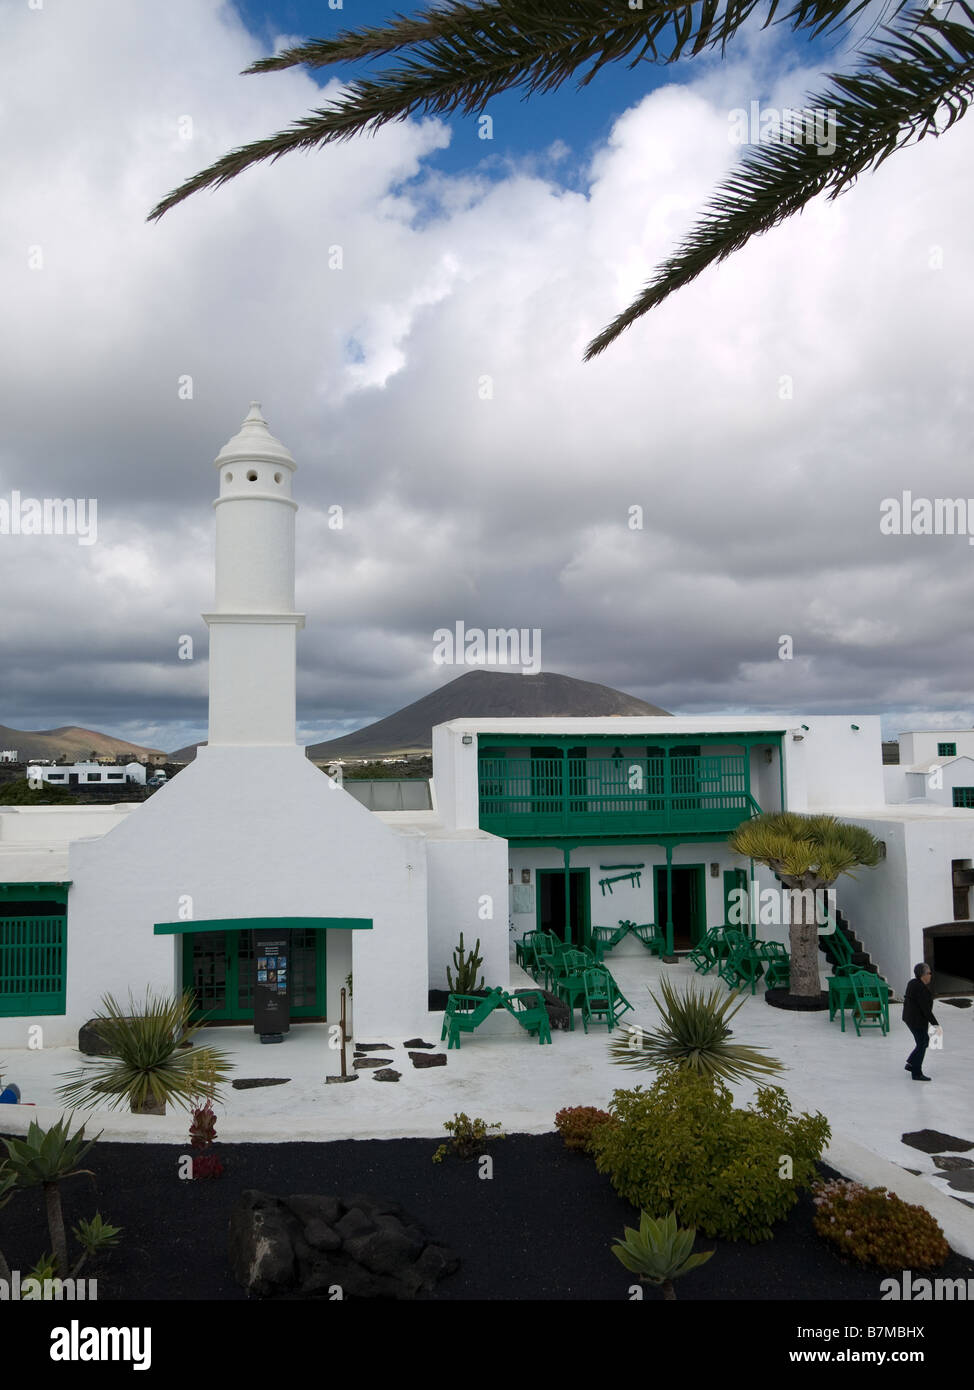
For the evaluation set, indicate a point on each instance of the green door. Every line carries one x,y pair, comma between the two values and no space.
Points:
550,902
689,903
735,881
219,968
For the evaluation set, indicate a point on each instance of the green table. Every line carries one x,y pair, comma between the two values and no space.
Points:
570,988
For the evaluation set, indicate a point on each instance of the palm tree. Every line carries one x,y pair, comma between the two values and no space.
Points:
807,853
914,80
694,1036
147,1068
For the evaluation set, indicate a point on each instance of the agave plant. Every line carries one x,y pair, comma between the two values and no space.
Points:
693,1033
148,1068
659,1252
44,1159
8,1185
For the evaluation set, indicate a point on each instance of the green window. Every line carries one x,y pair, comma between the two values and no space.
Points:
946,750
33,959
964,797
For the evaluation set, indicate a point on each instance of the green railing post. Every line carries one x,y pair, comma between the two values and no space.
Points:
669,900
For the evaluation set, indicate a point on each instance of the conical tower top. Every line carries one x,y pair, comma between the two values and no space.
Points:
254,443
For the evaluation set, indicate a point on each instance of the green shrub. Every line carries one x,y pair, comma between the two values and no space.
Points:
682,1146
876,1227
578,1124
467,1137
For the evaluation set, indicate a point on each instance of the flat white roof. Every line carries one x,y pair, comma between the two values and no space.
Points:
904,811
639,724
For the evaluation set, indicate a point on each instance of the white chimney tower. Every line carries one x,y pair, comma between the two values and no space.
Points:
253,629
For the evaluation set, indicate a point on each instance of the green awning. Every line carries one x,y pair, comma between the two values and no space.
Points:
35,892
264,924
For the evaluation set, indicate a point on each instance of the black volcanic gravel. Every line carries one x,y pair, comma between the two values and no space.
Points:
540,1228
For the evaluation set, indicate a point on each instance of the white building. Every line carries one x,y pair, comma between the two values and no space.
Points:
560,823
86,774
8,755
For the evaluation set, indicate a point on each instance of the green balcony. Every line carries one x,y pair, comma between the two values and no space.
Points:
530,797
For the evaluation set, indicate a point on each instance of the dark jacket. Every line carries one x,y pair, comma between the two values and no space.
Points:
918,1005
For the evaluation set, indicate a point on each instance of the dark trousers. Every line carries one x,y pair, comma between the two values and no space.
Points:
922,1039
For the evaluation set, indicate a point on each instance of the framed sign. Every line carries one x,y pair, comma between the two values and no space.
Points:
272,982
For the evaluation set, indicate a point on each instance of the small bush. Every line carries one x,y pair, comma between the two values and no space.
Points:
875,1227
468,1137
682,1146
578,1124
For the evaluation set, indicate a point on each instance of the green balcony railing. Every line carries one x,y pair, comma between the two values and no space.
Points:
525,796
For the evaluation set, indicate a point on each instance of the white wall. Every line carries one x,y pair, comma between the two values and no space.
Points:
876,902
844,767
245,833
463,873
920,746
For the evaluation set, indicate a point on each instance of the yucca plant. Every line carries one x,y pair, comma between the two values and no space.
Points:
44,1159
693,1034
659,1252
148,1068
807,853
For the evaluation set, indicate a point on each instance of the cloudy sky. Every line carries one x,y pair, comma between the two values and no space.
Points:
463,260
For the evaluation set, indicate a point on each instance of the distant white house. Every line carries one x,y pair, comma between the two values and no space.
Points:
87,774
8,755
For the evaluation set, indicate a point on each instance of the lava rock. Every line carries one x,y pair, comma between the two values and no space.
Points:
957,1003
929,1141
386,1074
249,1083
306,1246
91,1042
417,1042
261,1244
337,1080
359,1063
950,1162
373,1047
428,1059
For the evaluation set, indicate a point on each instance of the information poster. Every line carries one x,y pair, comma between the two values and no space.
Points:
272,982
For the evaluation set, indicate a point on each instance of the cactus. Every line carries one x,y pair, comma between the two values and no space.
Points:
466,967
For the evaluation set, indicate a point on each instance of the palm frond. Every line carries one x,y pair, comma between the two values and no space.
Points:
694,1033
457,58
911,86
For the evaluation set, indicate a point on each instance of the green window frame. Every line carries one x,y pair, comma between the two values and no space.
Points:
33,966
964,798
946,750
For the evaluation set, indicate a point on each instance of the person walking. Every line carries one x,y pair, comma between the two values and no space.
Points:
918,1016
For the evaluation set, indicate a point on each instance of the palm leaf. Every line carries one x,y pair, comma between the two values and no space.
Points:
694,1033
457,56
911,86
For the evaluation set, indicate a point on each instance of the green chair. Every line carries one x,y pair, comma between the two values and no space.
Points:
777,965
707,951
601,1000
530,1011
574,960
523,950
605,938
465,1012
650,935
743,963
542,945
870,1008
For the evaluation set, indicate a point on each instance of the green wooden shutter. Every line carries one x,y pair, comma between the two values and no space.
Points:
33,965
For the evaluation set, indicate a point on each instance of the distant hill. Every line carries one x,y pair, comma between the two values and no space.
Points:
481,694
68,742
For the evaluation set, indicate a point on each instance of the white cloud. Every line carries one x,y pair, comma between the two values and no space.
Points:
433,387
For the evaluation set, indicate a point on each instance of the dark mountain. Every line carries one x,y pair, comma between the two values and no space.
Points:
481,694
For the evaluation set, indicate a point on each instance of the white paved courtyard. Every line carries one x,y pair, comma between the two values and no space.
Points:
501,1073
